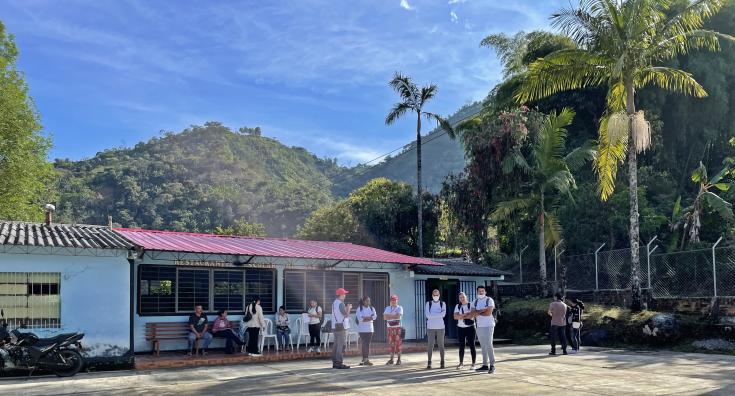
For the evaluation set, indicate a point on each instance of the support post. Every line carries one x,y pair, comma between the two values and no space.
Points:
649,252
714,266
597,277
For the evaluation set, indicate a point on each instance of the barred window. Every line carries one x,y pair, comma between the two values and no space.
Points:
31,298
167,289
302,286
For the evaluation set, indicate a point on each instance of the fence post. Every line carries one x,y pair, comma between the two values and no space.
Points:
714,266
597,278
648,258
520,261
555,255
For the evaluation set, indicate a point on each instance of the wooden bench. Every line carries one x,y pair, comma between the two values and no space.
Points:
156,332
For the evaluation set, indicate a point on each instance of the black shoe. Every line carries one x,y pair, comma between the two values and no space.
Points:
343,367
398,362
491,370
483,368
564,353
552,353
428,366
388,363
441,365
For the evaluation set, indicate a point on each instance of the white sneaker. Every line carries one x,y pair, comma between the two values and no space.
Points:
256,354
460,366
310,349
319,350
473,367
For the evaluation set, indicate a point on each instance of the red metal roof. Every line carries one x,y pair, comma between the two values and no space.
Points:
269,247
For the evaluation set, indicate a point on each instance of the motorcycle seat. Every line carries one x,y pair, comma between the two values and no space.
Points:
53,340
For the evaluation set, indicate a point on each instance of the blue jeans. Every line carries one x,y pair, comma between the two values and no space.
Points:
558,333
282,336
203,341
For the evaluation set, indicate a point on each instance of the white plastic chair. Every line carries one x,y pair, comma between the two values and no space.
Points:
303,332
268,333
353,336
326,334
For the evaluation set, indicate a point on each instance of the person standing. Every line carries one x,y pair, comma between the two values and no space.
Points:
577,309
255,325
392,315
482,312
465,329
340,324
198,326
283,332
315,314
558,313
222,328
365,316
435,311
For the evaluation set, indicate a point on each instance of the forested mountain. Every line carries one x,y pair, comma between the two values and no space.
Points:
197,180
441,156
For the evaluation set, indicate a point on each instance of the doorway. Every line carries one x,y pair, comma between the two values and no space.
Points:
376,286
448,289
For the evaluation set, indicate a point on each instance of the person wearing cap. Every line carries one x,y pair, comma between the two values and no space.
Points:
392,316
340,324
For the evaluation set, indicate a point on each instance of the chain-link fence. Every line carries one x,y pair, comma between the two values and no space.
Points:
694,273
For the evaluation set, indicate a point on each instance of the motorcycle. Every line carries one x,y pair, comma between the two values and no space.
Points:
26,351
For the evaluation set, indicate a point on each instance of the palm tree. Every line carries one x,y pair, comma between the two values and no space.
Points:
413,100
623,44
548,172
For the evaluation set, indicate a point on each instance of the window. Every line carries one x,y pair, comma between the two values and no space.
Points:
157,289
167,289
302,286
228,290
31,298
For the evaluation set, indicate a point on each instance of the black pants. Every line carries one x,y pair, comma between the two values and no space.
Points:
315,338
365,339
231,338
466,336
558,333
253,333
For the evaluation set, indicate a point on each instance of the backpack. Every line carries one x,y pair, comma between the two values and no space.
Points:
441,304
496,310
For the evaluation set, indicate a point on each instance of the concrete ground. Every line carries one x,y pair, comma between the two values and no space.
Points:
520,370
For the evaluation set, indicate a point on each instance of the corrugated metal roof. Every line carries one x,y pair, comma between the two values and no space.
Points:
269,247
459,267
60,235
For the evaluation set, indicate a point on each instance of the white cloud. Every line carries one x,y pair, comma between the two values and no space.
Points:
456,1
405,5
453,16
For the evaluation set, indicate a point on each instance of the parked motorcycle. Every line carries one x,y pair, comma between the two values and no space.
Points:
23,350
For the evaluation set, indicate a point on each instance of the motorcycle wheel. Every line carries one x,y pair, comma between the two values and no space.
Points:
76,362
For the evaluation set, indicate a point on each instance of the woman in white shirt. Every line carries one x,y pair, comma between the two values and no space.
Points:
255,325
465,329
365,316
315,314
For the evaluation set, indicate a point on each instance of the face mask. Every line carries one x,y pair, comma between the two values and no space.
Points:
480,295
436,298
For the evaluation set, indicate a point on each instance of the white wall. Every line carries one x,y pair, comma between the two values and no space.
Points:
94,298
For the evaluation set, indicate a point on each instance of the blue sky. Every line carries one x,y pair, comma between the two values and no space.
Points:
110,73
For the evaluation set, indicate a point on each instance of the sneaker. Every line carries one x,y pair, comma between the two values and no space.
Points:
256,354
473,367
340,366
368,363
428,366
482,368
204,353
310,349
564,353
319,350
552,353
361,363
441,365
460,366
188,354
491,369
388,363
573,352
398,362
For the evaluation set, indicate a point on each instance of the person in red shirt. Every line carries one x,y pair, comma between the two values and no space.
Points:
222,328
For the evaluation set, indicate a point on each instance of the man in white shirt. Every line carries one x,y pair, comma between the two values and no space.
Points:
482,310
435,311
340,324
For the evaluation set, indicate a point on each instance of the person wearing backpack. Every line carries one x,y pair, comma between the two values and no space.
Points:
465,329
316,317
435,311
255,322
482,312
365,316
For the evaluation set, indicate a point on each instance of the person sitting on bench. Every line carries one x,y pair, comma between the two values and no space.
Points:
222,328
198,326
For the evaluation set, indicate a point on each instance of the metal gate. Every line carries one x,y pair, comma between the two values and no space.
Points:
469,288
376,286
420,292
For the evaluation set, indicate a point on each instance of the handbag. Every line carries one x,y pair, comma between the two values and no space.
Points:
467,322
576,325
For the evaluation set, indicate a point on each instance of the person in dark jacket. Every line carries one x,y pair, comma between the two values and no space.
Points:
576,309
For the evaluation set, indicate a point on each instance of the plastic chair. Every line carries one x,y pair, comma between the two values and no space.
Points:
268,333
353,336
303,332
328,333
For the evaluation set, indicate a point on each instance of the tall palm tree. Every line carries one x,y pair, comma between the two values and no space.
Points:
413,100
548,176
623,44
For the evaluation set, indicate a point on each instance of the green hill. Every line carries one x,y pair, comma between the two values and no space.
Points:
440,154
196,180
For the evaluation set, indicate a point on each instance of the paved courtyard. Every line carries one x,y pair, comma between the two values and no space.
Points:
520,370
